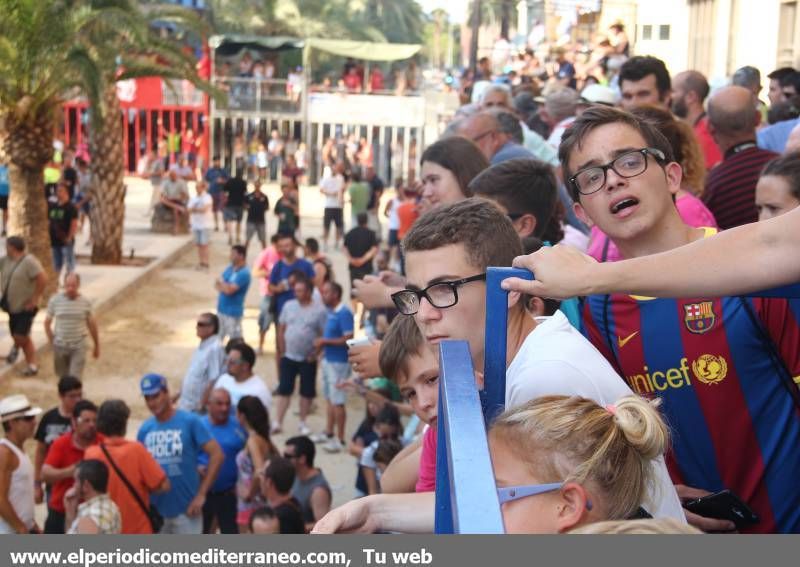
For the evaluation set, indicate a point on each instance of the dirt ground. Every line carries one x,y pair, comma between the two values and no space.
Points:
153,330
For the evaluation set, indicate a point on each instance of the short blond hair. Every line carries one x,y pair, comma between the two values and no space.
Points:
648,526
610,450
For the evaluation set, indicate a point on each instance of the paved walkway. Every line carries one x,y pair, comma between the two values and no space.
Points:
105,285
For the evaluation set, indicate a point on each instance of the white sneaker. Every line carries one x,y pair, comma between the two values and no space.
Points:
304,429
321,437
276,428
333,446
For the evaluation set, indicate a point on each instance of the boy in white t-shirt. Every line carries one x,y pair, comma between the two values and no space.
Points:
201,218
332,187
447,254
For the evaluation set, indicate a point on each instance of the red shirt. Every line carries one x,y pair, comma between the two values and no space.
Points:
407,213
63,453
710,149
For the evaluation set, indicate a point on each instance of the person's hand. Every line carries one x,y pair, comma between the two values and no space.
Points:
375,291
30,305
561,272
701,522
196,506
353,517
96,352
364,360
319,343
38,493
392,279
71,499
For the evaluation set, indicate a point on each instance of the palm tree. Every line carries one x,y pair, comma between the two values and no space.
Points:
35,51
119,43
55,49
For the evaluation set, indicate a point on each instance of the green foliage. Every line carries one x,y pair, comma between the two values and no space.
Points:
396,21
52,49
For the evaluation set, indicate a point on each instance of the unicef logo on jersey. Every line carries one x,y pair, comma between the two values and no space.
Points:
165,444
710,369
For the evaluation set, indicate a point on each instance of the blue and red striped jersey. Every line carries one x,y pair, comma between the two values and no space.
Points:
725,370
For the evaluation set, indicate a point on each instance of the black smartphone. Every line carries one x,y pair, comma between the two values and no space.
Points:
723,505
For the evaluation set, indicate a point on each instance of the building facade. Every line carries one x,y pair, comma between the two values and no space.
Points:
716,37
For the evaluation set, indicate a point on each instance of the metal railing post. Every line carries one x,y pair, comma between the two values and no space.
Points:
493,395
466,494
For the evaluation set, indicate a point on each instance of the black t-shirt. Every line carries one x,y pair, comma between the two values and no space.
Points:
70,177
257,206
61,217
235,189
376,187
366,433
290,518
358,242
52,426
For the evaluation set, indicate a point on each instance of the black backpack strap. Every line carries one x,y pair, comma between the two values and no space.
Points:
772,350
144,507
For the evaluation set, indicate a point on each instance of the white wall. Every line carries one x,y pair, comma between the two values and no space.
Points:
673,13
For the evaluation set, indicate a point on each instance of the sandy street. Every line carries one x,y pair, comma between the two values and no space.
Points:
153,330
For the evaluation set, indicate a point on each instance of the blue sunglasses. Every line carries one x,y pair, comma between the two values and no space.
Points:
511,493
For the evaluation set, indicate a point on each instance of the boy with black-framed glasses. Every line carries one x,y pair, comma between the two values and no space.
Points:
447,253
725,368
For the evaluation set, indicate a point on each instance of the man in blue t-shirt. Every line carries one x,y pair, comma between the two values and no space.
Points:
4,190
335,368
279,285
232,288
216,176
225,429
175,439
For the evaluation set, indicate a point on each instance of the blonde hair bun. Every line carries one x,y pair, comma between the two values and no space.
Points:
642,425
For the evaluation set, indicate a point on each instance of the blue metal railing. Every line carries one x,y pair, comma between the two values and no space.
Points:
466,498
466,495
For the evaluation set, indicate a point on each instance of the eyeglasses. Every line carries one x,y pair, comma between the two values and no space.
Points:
511,493
629,164
439,295
289,456
203,324
233,361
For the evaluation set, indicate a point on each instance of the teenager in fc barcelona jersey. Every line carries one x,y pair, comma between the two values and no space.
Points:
723,368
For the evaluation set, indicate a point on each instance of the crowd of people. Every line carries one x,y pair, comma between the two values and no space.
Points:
618,407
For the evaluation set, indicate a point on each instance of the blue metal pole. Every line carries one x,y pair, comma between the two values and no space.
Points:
466,494
493,395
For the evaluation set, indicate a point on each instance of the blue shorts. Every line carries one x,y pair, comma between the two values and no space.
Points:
232,213
264,314
287,373
334,373
202,236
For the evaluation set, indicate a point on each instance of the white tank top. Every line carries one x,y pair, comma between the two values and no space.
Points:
20,491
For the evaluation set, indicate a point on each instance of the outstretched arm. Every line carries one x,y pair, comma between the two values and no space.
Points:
748,258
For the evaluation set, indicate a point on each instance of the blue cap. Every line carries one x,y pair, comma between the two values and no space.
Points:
152,384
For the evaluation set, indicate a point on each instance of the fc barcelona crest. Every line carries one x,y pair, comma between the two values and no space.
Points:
699,317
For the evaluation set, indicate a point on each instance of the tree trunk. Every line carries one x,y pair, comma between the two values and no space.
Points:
108,190
28,147
505,19
473,41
